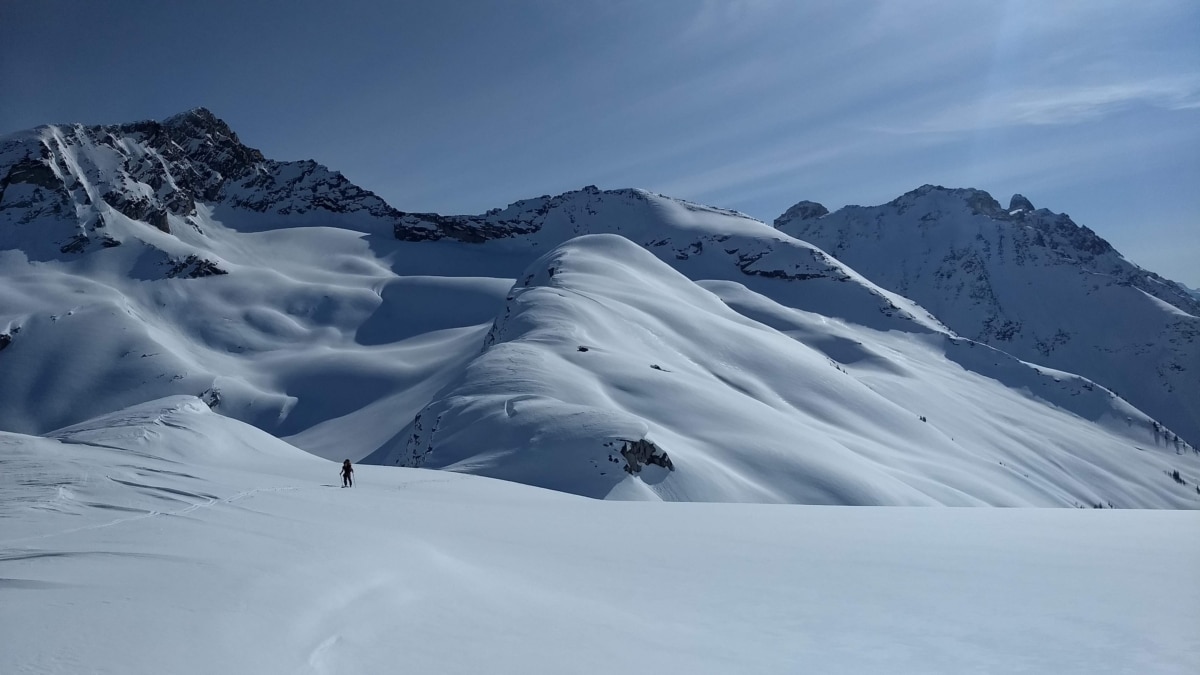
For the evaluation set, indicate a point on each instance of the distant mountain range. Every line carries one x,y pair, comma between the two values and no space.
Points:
610,343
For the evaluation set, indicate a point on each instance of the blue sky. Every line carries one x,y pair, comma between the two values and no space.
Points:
1088,107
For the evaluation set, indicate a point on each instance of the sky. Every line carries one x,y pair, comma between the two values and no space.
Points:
1088,107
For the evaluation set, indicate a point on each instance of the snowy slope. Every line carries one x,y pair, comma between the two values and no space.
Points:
286,298
166,538
1030,282
601,345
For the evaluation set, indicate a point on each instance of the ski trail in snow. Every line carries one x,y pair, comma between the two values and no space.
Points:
207,503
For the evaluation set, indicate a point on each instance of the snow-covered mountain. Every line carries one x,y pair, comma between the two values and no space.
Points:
1030,282
608,343
68,189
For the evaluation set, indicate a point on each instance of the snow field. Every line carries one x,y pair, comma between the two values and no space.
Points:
235,553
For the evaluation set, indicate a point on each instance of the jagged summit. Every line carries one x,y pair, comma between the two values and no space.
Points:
1032,282
89,188
938,205
199,114
977,201
1019,203
936,196
203,137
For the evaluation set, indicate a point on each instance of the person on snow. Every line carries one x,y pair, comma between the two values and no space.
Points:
347,481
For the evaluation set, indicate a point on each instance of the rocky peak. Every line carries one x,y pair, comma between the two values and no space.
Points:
155,173
1029,281
803,210
978,202
522,217
205,140
1063,233
1019,203
583,211
199,116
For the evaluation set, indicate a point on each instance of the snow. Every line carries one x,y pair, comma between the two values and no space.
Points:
601,343
166,538
169,446
1035,285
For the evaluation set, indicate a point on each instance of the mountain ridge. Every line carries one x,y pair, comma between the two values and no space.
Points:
289,299
1029,281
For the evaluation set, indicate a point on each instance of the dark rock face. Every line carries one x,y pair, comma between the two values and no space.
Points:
641,453
75,244
803,210
468,229
747,263
31,191
33,172
520,218
978,201
211,397
1019,203
193,267
62,179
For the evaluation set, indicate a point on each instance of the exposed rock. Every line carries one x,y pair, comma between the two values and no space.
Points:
211,397
1031,282
804,210
468,229
748,264
33,172
134,208
193,267
158,218
1019,203
150,170
75,244
521,218
30,190
641,453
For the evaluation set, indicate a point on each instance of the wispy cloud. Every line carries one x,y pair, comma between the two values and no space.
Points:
1058,105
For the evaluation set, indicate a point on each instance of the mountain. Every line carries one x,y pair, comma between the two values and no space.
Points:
609,343
1030,282
73,188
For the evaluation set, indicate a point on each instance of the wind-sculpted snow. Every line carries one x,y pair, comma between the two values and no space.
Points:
1030,282
601,345
611,343
168,538
702,242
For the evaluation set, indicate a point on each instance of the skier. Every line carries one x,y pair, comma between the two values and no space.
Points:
347,481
